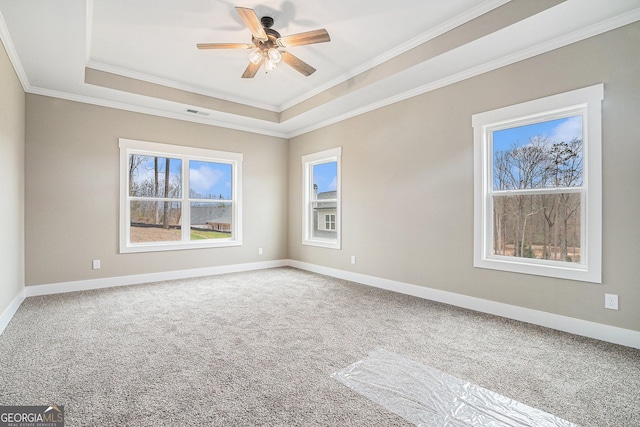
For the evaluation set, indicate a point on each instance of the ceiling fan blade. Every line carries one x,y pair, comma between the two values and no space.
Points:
252,22
297,64
251,70
310,37
225,46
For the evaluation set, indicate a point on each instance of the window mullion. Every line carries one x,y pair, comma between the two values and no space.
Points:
534,191
153,199
185,219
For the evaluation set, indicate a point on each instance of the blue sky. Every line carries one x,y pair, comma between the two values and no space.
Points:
209,178
325,175
557,130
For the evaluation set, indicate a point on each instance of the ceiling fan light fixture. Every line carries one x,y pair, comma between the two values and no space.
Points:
265,42
269,65
255,56
274,55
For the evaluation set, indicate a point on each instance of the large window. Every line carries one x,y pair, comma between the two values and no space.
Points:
174,197
321,199
538,186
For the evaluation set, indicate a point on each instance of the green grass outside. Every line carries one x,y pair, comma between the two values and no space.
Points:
202,235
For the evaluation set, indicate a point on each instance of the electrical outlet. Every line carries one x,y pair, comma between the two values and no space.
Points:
353,259
611,301
96,264
259,251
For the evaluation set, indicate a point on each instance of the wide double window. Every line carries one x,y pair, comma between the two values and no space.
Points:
321,199
174,197
538,186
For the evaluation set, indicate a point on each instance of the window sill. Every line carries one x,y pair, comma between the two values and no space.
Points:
555,269
173,246
321,244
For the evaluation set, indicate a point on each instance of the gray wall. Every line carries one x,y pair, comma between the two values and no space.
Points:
12,125
72,189
407,183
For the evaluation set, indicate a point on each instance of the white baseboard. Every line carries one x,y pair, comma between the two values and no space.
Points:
8,312
585,328
84,285
612,334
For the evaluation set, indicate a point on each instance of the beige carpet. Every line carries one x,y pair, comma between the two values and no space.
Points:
259,348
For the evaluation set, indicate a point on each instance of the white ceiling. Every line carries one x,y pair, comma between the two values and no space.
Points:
380,52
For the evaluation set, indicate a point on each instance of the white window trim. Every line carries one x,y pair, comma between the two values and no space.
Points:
130,146
308,161
586,99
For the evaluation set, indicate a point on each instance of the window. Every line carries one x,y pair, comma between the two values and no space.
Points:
330,222
321,199
538,191
174,197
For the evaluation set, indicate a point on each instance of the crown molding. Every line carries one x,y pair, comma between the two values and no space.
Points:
434,32
5,37
153,111
567,39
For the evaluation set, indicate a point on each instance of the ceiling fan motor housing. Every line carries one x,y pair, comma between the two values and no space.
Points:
266,21
273,35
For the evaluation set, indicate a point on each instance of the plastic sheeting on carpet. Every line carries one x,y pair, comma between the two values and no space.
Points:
428,397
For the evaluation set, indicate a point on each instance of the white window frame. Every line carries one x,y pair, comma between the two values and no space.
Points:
308,161
585,102
130,146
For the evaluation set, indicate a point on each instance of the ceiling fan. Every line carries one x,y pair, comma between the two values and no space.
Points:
267,44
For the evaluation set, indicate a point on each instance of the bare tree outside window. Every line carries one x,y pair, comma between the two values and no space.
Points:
175,197
537,205
156,184
537,197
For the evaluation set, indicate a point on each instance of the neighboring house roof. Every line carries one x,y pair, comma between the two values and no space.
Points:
328,195
326,200
325,206
201,215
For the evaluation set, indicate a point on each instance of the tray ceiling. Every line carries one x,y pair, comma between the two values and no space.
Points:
142,56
